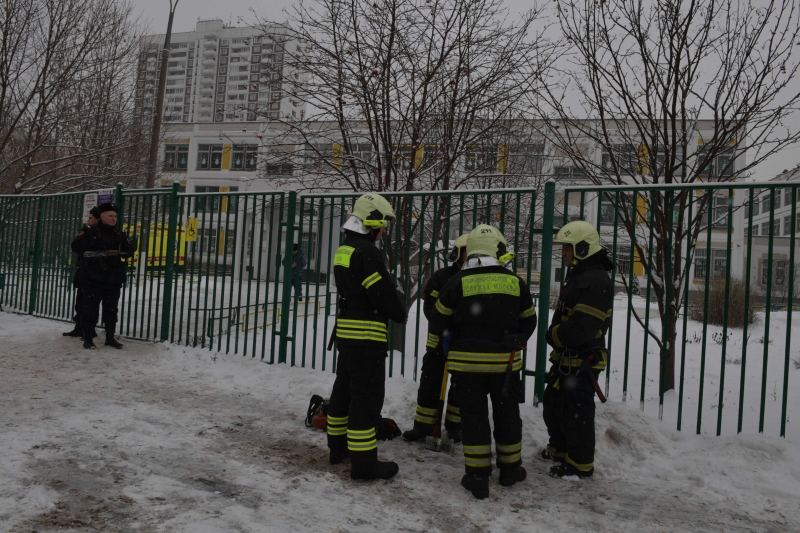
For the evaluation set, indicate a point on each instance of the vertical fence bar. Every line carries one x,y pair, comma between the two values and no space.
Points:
709,223
789,310
767,310
287,273
544,289
667,306
37,257
169,261
688,253
746,324
729,221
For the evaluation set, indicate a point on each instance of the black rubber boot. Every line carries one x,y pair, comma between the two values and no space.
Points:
76,332
337,457
548,456
87,343
564,470
110,340
417,433
381,470
509,476
478,485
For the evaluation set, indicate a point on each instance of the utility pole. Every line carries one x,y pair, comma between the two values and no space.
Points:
157,115
152,170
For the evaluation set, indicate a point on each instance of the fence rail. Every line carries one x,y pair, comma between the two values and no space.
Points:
211,270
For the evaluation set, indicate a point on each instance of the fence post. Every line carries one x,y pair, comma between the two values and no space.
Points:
118,199
545,276
37,257
169,261
286,294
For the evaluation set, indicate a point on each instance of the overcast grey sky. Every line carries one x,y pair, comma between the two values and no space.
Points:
241,12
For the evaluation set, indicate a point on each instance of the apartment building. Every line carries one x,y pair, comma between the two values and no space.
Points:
224,85
772,221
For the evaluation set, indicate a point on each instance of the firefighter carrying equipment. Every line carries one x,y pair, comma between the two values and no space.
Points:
583,238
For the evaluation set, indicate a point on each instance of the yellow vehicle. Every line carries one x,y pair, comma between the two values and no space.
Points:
157,245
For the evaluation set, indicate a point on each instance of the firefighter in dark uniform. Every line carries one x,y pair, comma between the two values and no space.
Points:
490,313
91,221
578,337
104,249
367,301
430,380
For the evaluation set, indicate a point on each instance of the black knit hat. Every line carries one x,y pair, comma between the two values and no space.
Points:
108,206
95,212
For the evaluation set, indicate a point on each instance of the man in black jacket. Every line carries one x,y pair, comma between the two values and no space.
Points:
490,313
578,337
91,221
433,362
367,301
104,249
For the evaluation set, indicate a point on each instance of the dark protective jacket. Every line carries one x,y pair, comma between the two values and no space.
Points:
583,312
106,272
367,295
480,306
77,275
431,293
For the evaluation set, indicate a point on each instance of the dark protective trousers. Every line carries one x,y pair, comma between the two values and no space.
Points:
93,296
78,306
472,389
354,412
430,387
569,416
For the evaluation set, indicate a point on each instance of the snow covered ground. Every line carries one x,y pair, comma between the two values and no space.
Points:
167,438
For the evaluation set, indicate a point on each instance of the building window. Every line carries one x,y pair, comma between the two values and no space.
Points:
244,157
765,203
787,226
679,161
778,196
624,260
481,159
765,229
776,228
755,230
720,166
719,212
206,203
787,196
625,156
526,159
176,156
209,157
719,260
568,172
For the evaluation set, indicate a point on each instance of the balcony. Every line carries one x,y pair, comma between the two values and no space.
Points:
209,63
208,90
207,81
209,71
210,52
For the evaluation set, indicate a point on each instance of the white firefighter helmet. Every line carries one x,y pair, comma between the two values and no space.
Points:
459,245
582,236
373,210
487,240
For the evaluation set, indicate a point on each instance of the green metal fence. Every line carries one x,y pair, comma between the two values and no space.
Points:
209,271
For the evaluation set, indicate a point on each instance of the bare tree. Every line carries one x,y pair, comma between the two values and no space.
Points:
404,95
675,92
66,100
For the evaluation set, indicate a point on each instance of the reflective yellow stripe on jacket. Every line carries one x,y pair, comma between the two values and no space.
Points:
365,330
482,362
433,341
